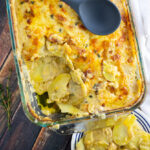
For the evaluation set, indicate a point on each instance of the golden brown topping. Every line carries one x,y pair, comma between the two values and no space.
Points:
70,26
29,13
60,17
124,91
81,26
115,57
70,41
103,104
35,41
105,44
29,21
130,60
93,41
29,36
52,39
110,52
111,89
89,74
81,51
22,2
121,39
62,9
124,19
51,7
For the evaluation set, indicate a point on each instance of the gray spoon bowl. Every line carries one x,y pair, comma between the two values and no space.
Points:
101,17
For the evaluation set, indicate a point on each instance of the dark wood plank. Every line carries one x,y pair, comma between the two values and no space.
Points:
3,15
49,140
41,139
56,141
22,134
3,118
5,43
5,70
15,99
68,147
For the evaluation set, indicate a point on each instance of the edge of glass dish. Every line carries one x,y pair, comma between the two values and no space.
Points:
75,120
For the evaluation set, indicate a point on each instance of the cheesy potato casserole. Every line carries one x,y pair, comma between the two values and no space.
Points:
123,133
71,69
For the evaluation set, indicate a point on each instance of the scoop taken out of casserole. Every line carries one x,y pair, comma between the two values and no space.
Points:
79,72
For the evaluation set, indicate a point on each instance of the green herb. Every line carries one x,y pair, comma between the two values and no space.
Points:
60,6
60,30
32,2
52,16
22,2
5,99
95,87
90,96
136,78
86,46
95,51
76,23
98,55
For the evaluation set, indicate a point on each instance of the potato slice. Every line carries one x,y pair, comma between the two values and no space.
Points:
67,108
112,146
48,111
45,69
129,121
144,147
144,141
58,88
88,138
77,78
110,71
80,145
35,71
120,134
76,96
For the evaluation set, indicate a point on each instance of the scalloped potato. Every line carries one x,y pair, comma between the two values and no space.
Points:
125,134
79,70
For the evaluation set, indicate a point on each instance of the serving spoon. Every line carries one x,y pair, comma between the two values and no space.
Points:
101,17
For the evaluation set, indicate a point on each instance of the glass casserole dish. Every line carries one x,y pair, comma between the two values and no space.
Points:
29,96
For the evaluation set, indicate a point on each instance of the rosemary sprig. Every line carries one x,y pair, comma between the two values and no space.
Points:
5,99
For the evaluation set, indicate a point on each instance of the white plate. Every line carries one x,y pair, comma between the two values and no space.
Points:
142,118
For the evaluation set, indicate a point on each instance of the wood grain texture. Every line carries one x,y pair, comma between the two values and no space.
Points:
22,134
3,15
5,43
68,147
41,139
15,99
49,140
56,141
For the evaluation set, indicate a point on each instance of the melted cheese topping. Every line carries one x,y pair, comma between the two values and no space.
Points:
79,70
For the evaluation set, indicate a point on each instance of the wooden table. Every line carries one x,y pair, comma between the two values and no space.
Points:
23,135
